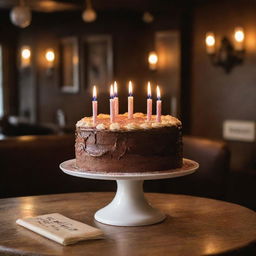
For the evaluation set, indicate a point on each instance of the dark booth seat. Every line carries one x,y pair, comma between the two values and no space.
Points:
30,166
12,126
210,180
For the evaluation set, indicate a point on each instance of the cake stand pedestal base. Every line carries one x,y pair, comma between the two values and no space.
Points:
129,207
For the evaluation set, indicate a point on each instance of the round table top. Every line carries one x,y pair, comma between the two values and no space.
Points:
194,226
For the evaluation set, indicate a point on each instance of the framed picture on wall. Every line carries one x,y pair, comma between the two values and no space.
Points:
69,65
97,61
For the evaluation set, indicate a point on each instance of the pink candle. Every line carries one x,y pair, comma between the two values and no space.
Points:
158,105
130,102
112,105
149,103
94,105
116,99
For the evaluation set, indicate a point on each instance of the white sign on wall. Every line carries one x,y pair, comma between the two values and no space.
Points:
239,130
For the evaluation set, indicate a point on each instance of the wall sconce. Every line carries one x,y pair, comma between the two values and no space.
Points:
50,57
25,60
228,55
152,60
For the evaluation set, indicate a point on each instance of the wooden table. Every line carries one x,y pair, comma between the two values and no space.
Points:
194,226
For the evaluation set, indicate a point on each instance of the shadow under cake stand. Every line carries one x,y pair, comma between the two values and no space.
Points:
129,206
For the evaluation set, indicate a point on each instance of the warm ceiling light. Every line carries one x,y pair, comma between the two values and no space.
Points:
89,15
239,34
21,15
239,38
50,55
210,42
152,60
25,56
25,53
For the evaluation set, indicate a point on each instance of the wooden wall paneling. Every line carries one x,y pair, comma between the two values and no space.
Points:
169,69
9,41
186,64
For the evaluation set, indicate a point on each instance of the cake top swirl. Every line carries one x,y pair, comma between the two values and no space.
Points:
138,122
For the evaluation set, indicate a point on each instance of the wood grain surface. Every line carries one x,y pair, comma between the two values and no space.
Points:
194,226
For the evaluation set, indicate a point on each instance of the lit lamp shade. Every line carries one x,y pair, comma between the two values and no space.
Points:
147,17
152,60
210,42
239,38
89,15
21,16
25,56
50,57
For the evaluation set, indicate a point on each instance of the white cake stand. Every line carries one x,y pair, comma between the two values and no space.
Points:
129,206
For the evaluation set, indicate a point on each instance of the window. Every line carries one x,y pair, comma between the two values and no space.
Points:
1,83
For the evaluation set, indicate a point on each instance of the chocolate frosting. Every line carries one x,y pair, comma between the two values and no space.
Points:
128,151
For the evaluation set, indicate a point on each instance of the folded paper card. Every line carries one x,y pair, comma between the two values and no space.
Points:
61,229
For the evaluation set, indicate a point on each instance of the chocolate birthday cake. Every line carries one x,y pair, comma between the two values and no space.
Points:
128,145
